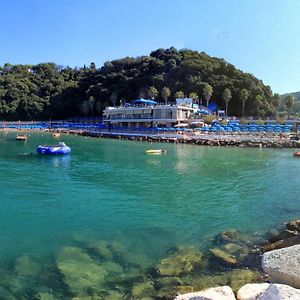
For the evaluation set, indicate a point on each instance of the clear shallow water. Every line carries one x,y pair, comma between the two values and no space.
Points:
110,190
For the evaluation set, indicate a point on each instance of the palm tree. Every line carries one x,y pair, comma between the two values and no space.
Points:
91,105
179,95
226,97
276,102
259,101
289,102
166,93
194,96
152,92
244,94
207,92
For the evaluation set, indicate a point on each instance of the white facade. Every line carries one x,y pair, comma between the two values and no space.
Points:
147,116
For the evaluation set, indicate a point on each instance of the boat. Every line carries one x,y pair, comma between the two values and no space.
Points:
156,151
21,138
59,149
296,153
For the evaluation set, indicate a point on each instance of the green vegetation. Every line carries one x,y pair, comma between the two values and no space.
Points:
294,110
44,91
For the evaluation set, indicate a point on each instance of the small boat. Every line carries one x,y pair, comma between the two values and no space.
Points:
59,149
296,153
21,138
157,151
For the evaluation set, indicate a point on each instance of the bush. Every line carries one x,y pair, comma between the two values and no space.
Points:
209,119
260,122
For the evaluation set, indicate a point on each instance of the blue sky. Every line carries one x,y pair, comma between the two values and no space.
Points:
257,36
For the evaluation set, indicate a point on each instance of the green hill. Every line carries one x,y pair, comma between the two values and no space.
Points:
50,91
296,107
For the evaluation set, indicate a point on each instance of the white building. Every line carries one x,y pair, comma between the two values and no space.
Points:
147,114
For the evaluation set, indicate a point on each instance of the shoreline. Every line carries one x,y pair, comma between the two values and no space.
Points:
248,140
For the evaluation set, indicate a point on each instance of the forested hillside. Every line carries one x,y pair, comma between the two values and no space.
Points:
295,108
47,90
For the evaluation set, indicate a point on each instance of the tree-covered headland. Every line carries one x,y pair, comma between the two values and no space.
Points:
49,91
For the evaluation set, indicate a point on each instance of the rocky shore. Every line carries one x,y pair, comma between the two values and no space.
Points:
235,266
280,262
231,140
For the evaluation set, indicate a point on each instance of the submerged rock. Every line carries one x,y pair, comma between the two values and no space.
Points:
185,260
228,236
80,272
24,266
240,277
223,257
218,293
142,289
283,265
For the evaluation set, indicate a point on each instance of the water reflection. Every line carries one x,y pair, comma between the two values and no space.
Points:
56,161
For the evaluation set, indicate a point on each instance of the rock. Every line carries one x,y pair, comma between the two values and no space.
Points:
280,292
183,261
45,296
80,272
24,266
114,295
230,235
218,293
232,248
238,278
251,291
285,234
283,265
293,225
223,257
142,289
169,281
102,249
282,244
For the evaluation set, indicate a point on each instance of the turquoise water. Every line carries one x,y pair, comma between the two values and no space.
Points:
110,190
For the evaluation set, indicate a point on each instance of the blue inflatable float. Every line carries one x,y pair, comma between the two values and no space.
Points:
59,149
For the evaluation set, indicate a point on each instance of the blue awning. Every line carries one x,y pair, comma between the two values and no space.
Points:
145,101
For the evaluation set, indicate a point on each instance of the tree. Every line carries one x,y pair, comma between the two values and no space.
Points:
275,102
244,94
152,92
166,93
179,95
226,97
91,105
289,102
259,102
207,92
194,96
85,108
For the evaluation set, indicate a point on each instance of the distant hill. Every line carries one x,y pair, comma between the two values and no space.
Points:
47,90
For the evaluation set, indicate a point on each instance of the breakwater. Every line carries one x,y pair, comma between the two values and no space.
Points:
266,141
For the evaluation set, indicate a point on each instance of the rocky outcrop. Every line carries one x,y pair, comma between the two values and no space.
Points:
223,257
289,236
252,291
218,293
183,261
280,292
263,291
80,272
283,265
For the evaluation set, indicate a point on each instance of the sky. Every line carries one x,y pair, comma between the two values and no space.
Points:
261,37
